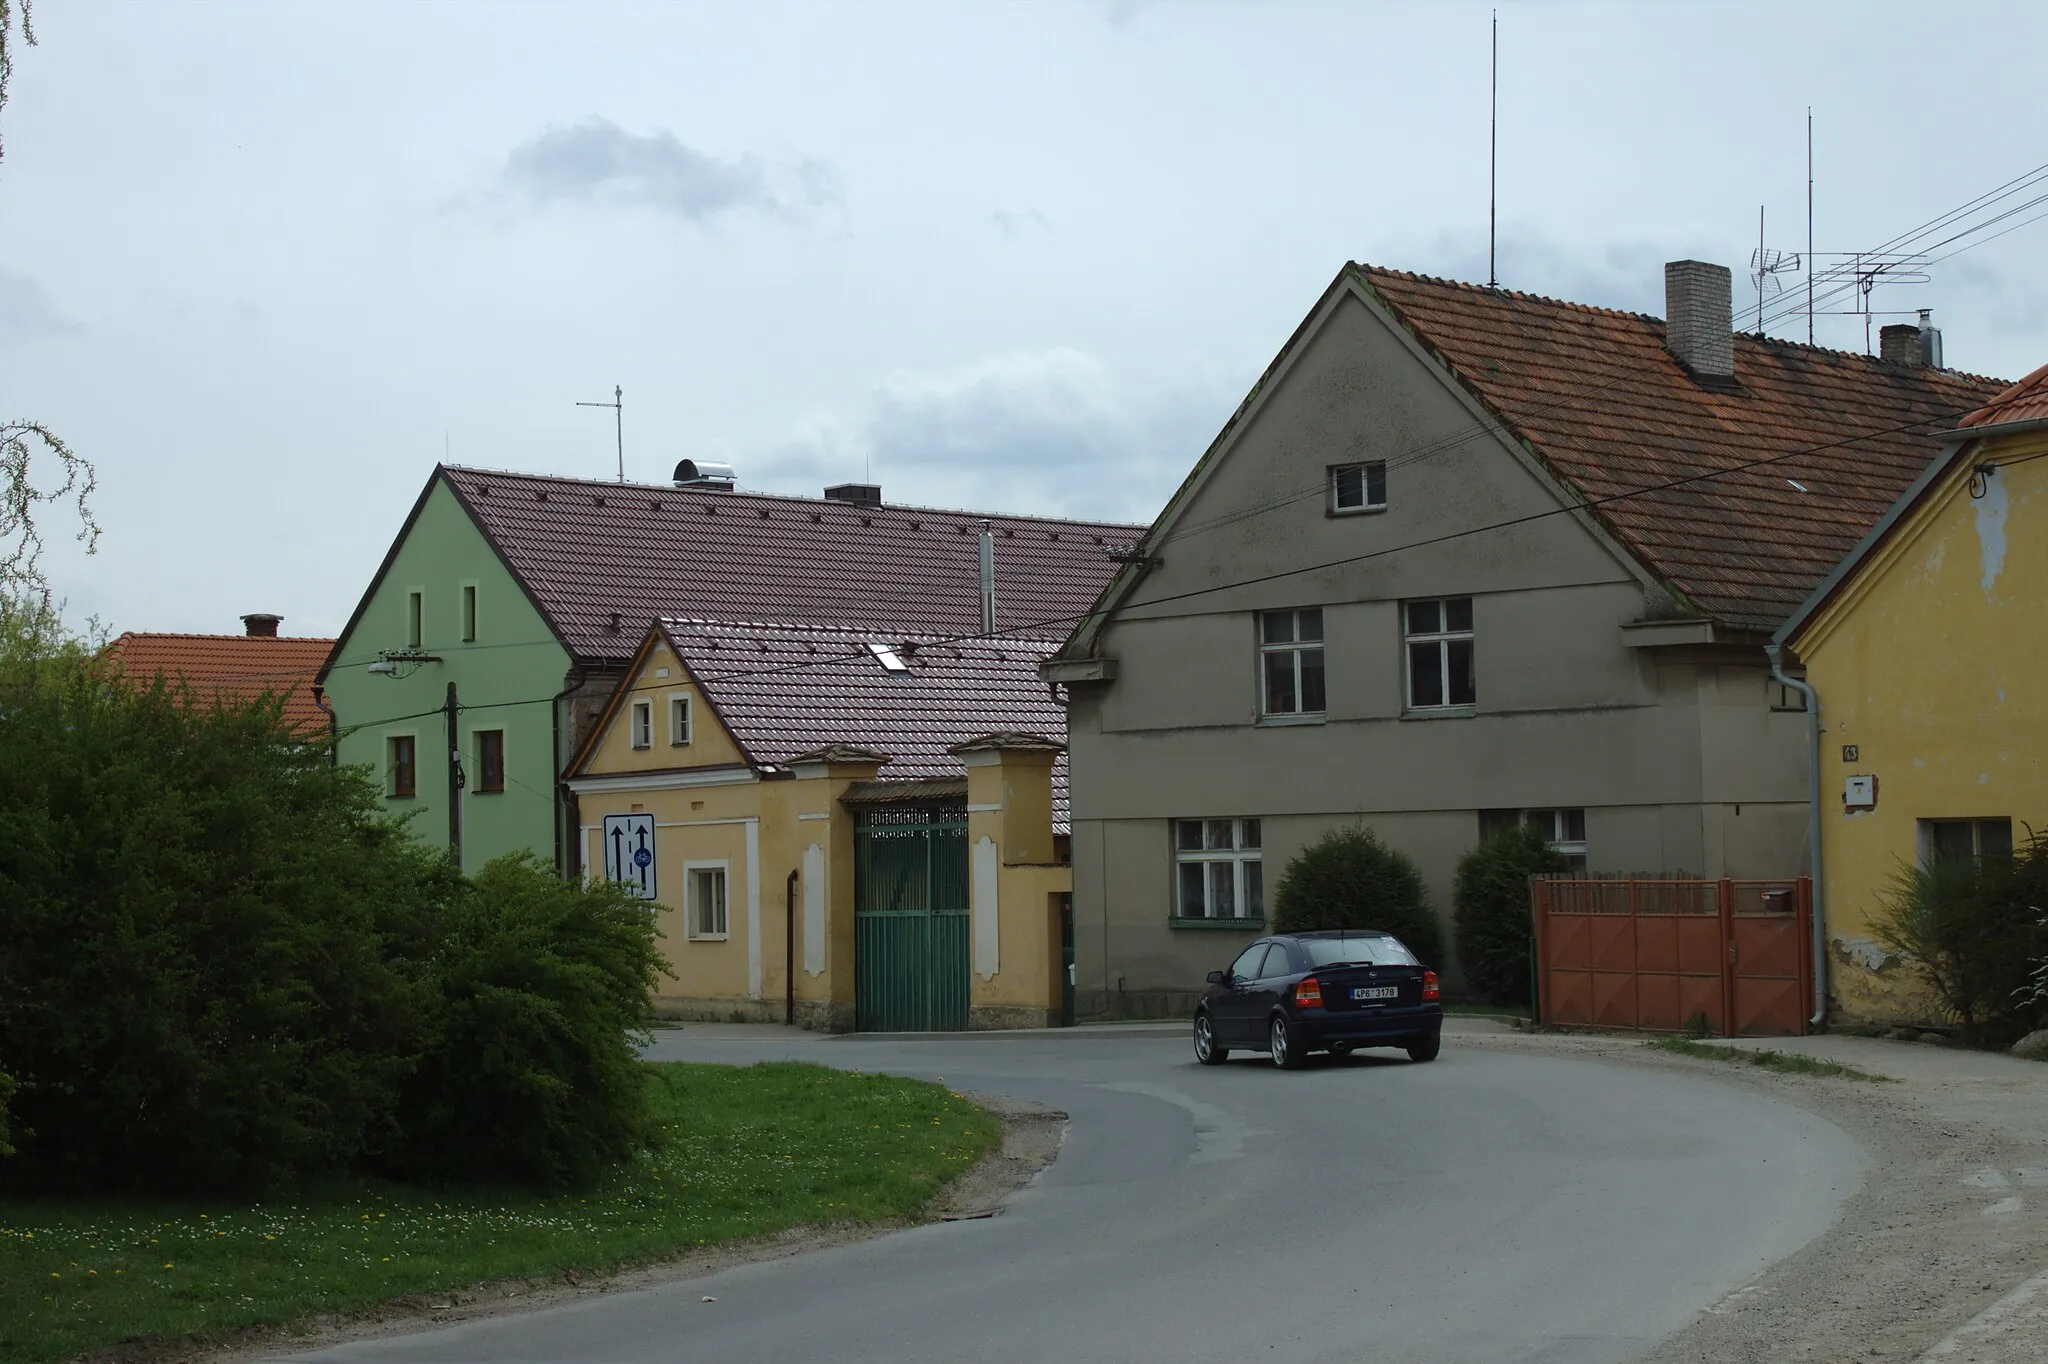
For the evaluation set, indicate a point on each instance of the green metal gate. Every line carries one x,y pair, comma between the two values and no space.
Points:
910,951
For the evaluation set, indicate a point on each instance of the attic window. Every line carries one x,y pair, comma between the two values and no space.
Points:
890,660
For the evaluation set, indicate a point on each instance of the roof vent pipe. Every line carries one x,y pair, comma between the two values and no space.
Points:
988,580
1930,340
704,473
1699,318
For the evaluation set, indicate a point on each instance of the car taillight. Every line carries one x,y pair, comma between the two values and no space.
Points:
1430,989
1308,994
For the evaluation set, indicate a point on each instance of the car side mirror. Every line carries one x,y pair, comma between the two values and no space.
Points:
1215,977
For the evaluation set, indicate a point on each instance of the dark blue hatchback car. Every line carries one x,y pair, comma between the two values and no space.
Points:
1297,993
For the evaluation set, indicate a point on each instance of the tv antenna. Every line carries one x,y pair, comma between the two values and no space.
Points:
1765,265
618,407
1493,157
1862,272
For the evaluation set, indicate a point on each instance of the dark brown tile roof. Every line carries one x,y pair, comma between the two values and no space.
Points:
1609,411
786,691
592,551
241,666
2024,401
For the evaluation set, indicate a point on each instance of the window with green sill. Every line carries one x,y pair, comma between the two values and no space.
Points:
1219,872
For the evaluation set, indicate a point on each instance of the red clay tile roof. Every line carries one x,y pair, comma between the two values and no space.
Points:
2024,401
233,665
784,691
1609,411
588,550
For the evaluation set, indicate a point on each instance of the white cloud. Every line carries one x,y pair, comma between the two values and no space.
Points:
596,160
1051,431
28,312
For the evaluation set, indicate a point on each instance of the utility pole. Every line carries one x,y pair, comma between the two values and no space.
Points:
453,710
618,407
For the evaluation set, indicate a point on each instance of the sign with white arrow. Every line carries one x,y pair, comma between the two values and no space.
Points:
629,853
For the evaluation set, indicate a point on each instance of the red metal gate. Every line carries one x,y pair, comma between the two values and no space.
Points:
1637,953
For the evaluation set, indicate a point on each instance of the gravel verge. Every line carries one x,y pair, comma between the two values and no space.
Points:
1951,1219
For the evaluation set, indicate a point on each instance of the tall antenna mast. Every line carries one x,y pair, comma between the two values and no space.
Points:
618,407
1809,224
1493,158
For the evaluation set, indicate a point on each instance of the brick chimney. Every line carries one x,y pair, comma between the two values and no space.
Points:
1899,344
261,625
1699,318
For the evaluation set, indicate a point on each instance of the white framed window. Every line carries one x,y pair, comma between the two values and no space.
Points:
640,729
1965,838
678,719
704,900
1563,830
1356,488
1439,638
1218,869
1291,662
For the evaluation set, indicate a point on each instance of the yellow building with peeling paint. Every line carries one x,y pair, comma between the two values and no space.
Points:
1927,648
736,778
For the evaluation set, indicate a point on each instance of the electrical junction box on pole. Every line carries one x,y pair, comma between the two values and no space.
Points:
629,853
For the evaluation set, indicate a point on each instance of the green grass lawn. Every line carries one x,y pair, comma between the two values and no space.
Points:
748,1152
1784,1062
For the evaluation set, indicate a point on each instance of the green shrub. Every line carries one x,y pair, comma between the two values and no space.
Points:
1490,909
192,991
1970,927
6,1091
529,1074
1348,878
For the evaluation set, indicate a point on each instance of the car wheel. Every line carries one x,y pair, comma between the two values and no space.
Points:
1206,1050
1426,1049
1285,1055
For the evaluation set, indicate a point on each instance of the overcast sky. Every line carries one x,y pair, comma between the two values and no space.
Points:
264,263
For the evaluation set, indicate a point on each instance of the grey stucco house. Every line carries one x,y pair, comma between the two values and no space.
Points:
1462,556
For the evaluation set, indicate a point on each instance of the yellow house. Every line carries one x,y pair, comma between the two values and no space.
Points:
1926,648
735,780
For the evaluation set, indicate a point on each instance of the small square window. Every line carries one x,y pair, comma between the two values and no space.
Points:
1358,488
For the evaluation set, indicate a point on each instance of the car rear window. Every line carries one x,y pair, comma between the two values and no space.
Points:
1367,949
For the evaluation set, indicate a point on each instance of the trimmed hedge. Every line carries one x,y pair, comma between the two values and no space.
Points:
1349,878
1490,910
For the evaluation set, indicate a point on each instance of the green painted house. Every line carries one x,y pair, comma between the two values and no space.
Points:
528,595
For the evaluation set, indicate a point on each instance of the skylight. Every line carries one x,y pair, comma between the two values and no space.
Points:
888,658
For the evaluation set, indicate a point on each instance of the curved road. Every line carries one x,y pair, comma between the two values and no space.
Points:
1487,1206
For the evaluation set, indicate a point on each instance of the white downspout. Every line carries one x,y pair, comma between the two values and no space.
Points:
1820,935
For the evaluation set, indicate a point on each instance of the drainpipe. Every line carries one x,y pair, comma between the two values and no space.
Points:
789,954
1820,934
563,803
333,728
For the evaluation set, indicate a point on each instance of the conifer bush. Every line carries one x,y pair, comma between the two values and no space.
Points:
1490,910
1350,878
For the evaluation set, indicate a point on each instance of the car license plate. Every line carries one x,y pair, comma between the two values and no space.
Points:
1376,992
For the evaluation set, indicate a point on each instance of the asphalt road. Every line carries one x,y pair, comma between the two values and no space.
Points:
1482,1207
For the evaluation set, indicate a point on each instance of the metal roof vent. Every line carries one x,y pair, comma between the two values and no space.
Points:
704,473
860,494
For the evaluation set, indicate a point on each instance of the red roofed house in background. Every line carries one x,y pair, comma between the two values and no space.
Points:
241,666
1467,557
